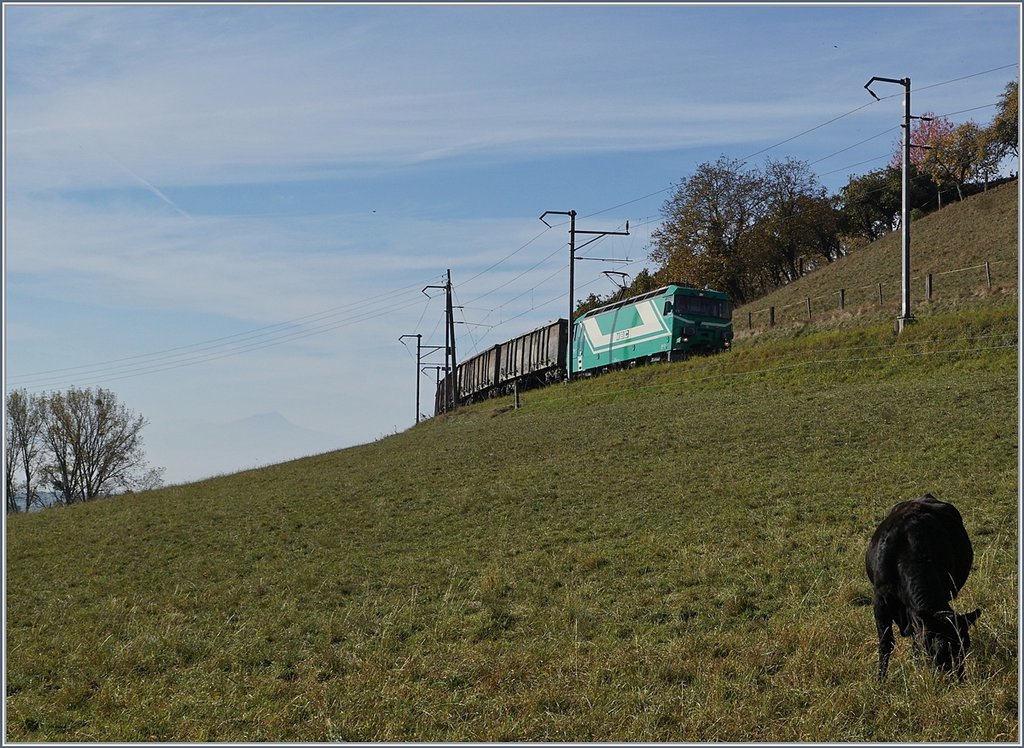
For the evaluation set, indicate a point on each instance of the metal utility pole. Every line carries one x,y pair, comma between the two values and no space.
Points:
419,356
906,317
455,360
451,386
572,266
437,379
419,341
572,271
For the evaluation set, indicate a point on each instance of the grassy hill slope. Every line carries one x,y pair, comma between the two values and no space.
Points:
673,553
952,245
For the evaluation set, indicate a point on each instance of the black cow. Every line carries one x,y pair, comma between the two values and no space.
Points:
917,561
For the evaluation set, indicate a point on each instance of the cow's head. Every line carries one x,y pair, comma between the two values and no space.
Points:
944,636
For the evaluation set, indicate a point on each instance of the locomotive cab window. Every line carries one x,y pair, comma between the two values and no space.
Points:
704,307
668,306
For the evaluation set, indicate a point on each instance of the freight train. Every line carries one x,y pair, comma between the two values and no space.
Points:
668,324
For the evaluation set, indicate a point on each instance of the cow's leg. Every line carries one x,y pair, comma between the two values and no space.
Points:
886,640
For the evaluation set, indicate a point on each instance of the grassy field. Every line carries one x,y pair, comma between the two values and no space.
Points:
673,553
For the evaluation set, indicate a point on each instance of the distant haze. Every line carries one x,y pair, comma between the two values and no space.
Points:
192,449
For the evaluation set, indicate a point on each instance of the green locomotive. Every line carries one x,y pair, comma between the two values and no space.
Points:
670,323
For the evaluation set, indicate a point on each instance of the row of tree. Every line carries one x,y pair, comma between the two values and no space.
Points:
748,230
70,447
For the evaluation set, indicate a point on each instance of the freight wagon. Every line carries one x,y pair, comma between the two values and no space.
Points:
667,324
528,360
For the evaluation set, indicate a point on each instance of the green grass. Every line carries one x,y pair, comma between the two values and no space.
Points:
672,553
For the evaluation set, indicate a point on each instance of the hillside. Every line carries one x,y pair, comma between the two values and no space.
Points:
952,245
673,553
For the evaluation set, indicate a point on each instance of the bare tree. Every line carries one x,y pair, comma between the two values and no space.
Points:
10,466
95,446
23,431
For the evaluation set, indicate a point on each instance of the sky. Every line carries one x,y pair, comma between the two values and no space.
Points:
227,214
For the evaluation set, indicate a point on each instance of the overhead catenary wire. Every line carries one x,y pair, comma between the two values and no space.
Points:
203,353
266,330
333,318
533,288
787,140
655,193
829,122
818,127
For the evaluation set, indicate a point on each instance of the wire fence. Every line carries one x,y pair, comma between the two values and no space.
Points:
926,287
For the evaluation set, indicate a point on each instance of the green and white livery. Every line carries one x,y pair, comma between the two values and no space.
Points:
670,323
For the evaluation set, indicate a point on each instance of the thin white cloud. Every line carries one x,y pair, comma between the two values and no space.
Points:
183,105
263,270
122,120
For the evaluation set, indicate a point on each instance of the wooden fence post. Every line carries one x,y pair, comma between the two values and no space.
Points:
928,287
771,316
750,320
842,298
808,308
988,274
879,294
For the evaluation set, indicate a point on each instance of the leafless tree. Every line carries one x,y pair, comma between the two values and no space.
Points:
94,446
23,433
10,466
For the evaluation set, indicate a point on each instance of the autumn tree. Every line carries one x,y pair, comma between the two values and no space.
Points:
707,237
798,223
871,203
926,134
925,131
824,220
989,154
94,446
957,157
1003,130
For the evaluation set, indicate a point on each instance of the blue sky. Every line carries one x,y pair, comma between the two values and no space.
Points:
229,210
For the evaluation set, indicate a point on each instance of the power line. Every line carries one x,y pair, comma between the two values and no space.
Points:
513,280
669,188
214,343
888,155
508,256
805,132
818,127
124,369
323,321
851,147
962,78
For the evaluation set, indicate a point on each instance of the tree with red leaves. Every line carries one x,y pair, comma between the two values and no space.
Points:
924,133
